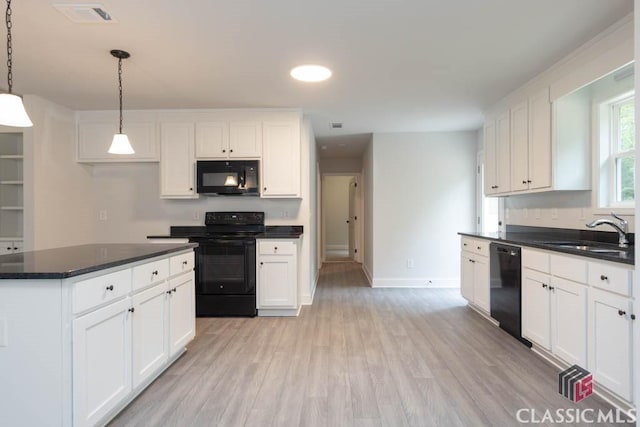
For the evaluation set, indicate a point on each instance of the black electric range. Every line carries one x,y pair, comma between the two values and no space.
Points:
226,263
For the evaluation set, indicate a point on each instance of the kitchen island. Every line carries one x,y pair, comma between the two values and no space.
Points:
84,329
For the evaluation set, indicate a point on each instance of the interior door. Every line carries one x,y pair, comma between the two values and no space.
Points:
353,217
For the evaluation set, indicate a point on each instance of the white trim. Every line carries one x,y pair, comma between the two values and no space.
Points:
426,282
308,299
368,274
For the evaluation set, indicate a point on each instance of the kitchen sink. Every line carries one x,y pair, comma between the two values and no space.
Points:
589,248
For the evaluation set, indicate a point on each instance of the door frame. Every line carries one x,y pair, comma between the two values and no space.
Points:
359,229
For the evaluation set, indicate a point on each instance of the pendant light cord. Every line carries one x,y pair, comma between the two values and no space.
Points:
120,89
9,47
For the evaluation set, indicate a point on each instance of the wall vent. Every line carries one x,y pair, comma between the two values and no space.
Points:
85,13
336,125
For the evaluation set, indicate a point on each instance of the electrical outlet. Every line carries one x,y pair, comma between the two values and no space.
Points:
196,215
410,263
102,215
554,213
285,214
537,213
525,213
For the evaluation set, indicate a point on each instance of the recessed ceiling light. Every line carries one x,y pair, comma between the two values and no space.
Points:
310,73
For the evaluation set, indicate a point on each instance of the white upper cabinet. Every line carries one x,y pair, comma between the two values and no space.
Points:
96,130
519,147
280,167
224,139
539,140
212,140
245,139
177,172
496,145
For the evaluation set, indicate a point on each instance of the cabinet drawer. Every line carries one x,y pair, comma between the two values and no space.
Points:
99,290
152,272
611,277
181,263
535,260
276,247
477,246
569,268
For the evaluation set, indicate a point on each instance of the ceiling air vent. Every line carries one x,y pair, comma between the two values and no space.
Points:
85,13
336,125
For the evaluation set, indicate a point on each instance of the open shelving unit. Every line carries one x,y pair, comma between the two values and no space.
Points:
11,192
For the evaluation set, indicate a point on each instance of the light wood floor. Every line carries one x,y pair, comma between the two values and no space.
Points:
356,357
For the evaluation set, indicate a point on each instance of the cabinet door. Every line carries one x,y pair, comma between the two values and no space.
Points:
481,283
466,277
540,140
281,159
535,308
245,140
610,339
182,303
503,158
18,246
177,160
94,140
212,140
490,165
277,281
569,321
519,147
150,331
101,362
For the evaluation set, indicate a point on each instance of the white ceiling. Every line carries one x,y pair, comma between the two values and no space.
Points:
399,65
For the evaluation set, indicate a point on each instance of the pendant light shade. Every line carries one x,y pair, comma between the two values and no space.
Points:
120,143
12,112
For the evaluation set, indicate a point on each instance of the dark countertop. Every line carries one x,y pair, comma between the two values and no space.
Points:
271,232
538,237
60,263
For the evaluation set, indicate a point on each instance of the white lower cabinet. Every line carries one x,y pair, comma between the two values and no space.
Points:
554,310
101,362
150,345
120,348
610,345
581,311
182,326
11,247
277,277
474,273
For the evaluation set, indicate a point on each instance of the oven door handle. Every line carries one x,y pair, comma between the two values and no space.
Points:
225,242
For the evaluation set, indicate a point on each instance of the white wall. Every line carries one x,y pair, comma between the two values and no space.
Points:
58,192
335,191
368,214
344,165
423,194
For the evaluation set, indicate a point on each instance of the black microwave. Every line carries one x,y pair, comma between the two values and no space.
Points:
228,177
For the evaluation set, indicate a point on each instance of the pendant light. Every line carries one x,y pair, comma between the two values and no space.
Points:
12,112
120,143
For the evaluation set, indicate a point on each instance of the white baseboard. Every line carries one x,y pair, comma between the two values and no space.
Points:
420,282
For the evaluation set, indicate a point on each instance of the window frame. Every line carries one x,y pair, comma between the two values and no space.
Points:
615,187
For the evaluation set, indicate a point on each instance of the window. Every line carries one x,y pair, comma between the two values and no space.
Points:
617,138
622,158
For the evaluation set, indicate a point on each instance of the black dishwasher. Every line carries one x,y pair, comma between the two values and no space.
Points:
505,288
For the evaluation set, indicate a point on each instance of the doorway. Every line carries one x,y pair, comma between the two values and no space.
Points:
340,218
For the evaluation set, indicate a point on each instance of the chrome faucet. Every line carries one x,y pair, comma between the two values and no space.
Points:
622,228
